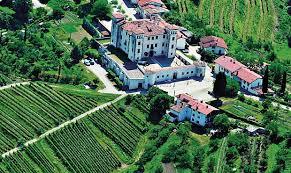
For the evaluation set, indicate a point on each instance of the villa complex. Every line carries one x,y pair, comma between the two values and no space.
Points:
249,80
150,47
188,108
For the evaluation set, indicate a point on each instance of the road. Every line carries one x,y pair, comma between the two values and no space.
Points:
12,85
63,125
101,73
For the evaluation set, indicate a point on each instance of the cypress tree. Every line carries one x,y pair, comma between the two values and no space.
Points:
283,84
219,85
265,80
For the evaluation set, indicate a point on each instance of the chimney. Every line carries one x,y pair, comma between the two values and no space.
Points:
206,106
201,101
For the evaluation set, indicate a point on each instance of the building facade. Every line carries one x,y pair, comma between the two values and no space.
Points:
188,108
249,80
149,8
214,44
144,38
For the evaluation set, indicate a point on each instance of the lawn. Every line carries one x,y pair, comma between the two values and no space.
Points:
243,110
118,55
202,139
104,41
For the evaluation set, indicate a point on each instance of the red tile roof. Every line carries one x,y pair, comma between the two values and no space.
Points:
210,41
229,63
148,27
118,15
145,2
195,104
247,75
152,9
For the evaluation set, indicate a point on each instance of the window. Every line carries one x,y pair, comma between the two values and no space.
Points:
191,71
172,46
148,46
156,45
162,52
138,43
158,76
167,44
138,50
167,75
164,36
173,38
197,122
163,44
163,76
187,72
153,38
182,73
157,37
149,38
198,117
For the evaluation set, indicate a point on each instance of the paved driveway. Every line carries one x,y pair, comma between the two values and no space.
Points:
193,51
198,89
101,73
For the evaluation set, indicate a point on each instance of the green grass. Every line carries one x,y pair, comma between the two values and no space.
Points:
6,10
202,139
105,41
271,155
283,51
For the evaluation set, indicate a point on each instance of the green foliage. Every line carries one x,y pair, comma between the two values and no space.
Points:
153,91
101,9
76,54
160,103
232,87
207,56
240,141
222,122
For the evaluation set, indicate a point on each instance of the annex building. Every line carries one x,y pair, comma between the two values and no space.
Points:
150,47
188,108
249,80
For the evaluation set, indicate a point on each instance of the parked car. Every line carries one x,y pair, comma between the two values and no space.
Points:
91,61
87,62
185,50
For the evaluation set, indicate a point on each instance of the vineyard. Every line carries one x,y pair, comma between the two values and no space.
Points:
122,130
96,143
74,147
30,110
245,18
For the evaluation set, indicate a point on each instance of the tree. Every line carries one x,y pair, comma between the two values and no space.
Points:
153,91
76,54
283,83
22,9
222,122
219,85
207,56
266,104
265,80
101,9
158,105
232,87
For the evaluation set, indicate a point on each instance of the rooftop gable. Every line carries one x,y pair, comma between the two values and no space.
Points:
229,63
247,75
197,105
210,41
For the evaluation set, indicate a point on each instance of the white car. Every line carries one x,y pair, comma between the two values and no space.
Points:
87,62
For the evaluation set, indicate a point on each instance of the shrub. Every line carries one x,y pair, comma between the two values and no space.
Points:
241,97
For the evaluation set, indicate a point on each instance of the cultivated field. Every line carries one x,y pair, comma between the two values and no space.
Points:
100,142
29,110
248,18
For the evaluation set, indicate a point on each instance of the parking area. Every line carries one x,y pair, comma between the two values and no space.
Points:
198,89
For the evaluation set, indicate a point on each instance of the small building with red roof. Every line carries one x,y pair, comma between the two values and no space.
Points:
214,44
248,79
188,108
148,8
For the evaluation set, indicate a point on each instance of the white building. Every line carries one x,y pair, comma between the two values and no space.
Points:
150,45
144,38
249,80
188,108
214,44
149,8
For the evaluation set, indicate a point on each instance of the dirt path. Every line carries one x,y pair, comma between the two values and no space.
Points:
221,155
63,125
13,85
211,20
200,9
232,17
